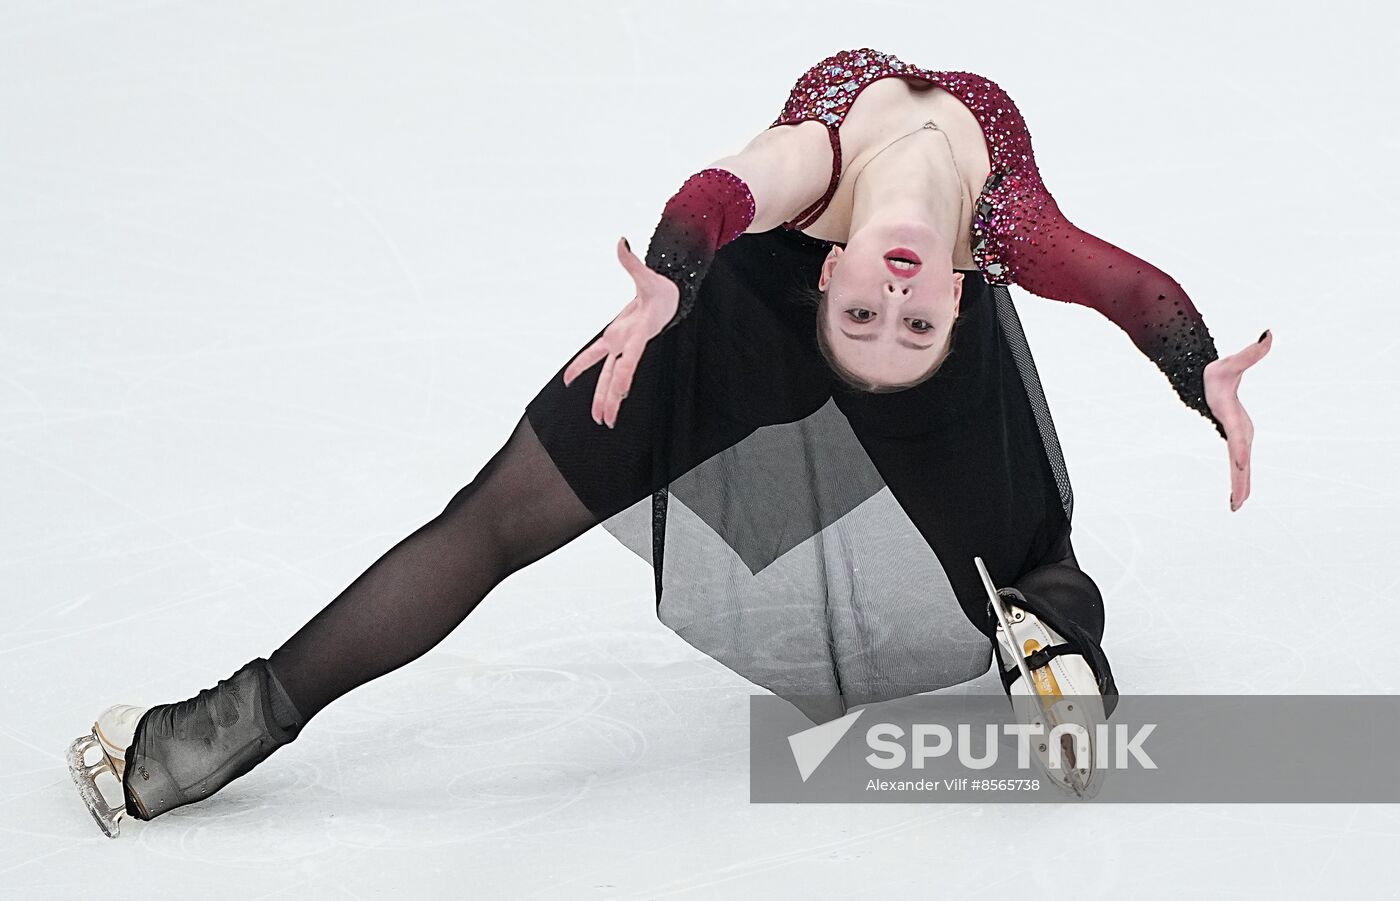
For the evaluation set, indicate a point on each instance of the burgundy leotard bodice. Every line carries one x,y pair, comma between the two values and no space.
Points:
827,91
1019,234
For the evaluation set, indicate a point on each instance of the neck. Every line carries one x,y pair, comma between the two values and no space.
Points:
912,182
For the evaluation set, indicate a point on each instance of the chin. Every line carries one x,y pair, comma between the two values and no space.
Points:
919,232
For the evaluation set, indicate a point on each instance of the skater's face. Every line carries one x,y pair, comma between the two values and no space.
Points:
887,315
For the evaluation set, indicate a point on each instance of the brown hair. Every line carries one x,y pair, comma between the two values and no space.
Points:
818,299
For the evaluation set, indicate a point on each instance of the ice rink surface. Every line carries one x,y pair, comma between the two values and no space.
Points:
276,279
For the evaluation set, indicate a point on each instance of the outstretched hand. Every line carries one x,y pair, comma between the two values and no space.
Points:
654,305
1222,382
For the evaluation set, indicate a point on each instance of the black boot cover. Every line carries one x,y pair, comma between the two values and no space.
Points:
185,752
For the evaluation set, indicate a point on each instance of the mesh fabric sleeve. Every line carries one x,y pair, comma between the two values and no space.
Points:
712,208
1055,259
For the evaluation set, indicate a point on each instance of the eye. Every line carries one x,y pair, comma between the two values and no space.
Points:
856,314
921,325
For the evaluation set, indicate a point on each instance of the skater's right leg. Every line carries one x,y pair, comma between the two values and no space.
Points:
517,510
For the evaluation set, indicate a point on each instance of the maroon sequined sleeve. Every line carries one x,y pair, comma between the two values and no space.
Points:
1051,257
712,208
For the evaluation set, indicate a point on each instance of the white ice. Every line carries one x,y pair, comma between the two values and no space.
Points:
276,279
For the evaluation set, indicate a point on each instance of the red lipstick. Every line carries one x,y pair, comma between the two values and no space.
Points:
903,253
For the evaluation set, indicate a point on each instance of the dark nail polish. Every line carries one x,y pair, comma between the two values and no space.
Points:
628,244
1263,335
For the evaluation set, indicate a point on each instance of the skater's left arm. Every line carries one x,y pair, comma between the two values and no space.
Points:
1069,264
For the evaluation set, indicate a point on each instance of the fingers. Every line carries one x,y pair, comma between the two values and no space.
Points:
1236,363
590,355
630,261
600,395
619,386
618,348
1240,450
1239,486
625,256
1256,351
613,384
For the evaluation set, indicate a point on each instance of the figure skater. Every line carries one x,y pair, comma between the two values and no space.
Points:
816,413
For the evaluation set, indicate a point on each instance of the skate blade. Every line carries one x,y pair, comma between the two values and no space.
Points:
1069,779
107,817
1077,779
1066,777
1071,776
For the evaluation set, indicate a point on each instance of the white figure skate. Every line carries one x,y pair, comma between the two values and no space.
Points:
97,763
1060,692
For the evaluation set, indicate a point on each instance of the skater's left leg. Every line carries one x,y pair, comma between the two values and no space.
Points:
1066,600
1047,639
1059,584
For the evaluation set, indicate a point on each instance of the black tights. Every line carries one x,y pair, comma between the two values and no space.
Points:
517,510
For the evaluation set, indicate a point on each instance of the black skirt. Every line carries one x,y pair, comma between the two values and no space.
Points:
817,540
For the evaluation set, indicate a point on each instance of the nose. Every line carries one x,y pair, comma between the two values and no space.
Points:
896,290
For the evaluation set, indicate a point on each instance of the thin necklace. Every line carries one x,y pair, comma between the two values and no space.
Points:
930,124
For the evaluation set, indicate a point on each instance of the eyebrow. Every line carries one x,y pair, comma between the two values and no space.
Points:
904,341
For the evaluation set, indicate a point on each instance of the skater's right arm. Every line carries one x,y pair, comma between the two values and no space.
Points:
768,183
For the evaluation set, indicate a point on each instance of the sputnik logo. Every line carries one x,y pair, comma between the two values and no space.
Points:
811,746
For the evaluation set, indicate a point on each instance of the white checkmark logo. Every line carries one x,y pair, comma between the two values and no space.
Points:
810,746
